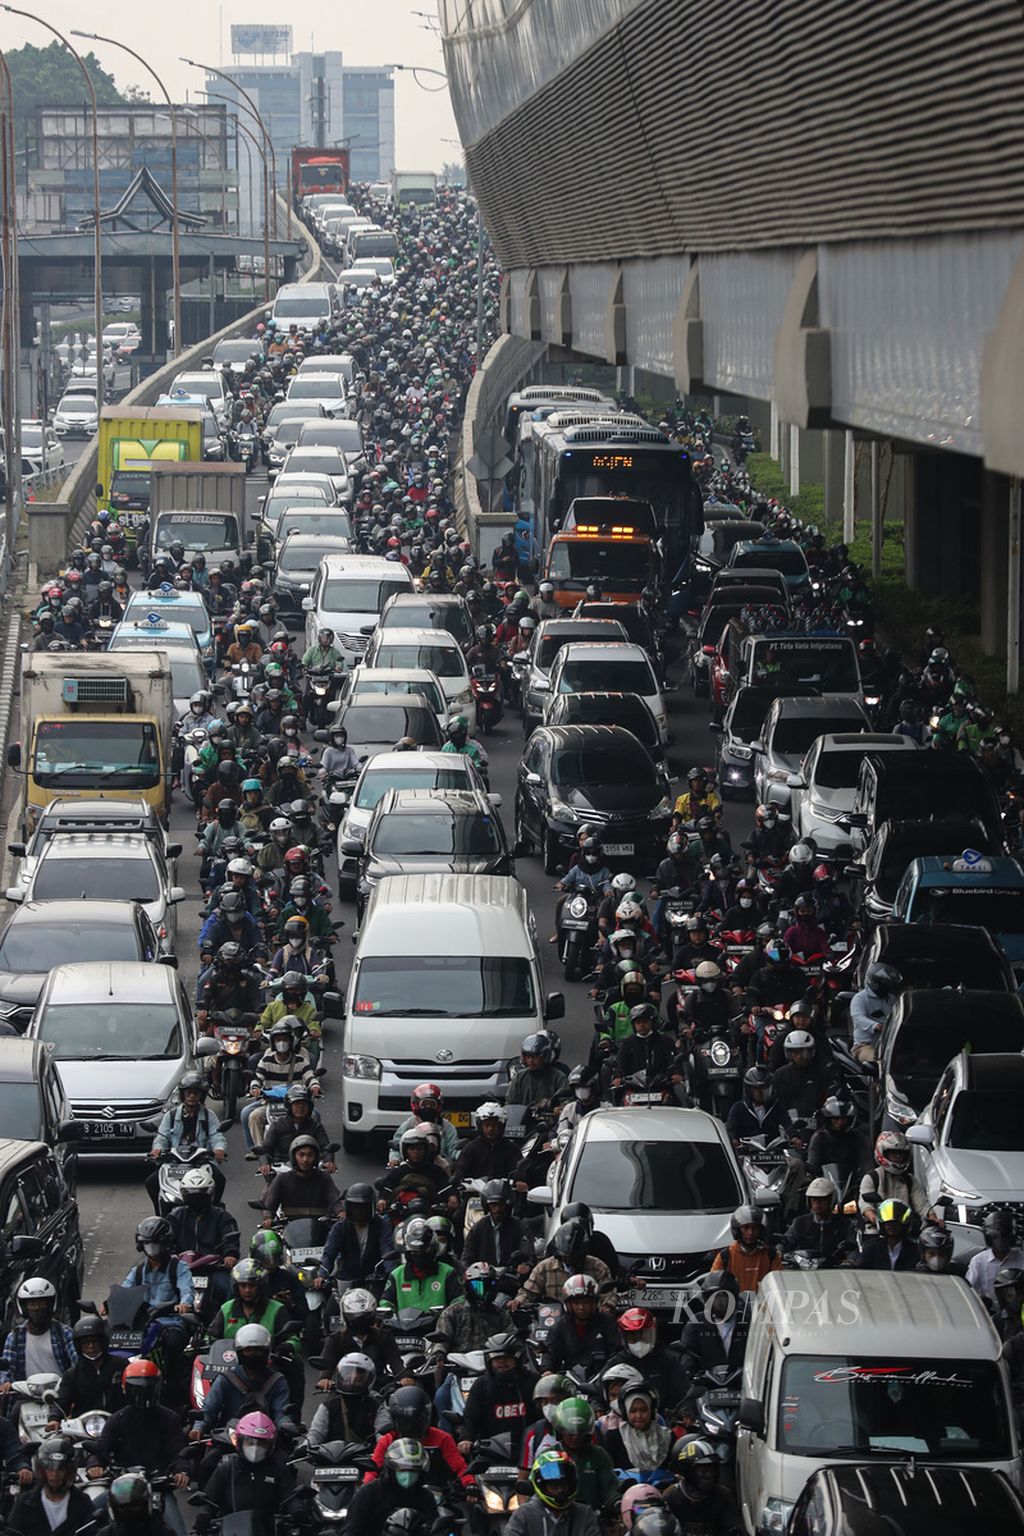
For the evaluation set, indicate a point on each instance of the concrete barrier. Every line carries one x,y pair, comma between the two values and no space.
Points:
483,458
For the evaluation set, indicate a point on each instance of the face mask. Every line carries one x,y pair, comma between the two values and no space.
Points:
294,943
583,1095
640,1347
406,1479
549,1411
934,1260
746,901
152,1250
254,1453
282,1048
709,986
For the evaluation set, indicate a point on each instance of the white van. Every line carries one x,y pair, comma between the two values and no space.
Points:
869,1365
304,305
347,596
445,984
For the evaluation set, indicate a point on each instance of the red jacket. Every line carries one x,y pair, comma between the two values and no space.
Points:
433,1440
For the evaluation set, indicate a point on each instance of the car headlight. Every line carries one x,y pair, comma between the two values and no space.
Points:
365,1067
663,808
562,812
775,1515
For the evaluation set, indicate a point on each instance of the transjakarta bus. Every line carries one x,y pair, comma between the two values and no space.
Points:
618,460
552,417
523,401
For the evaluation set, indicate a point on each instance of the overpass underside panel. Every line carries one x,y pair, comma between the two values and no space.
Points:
591,286
908,321
651,291
741,300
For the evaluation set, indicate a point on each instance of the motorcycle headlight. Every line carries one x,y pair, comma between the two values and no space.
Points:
232,1047
94,1423
366,1067
721,1054
493,1502
578,906
742,754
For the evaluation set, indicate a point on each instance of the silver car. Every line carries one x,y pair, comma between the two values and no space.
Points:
822,791
790,728
106,866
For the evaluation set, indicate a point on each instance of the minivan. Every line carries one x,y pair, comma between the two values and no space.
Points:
869,1365
306,305
348,594
939,786
446,982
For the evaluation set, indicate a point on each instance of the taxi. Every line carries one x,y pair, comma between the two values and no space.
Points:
978,889
167,603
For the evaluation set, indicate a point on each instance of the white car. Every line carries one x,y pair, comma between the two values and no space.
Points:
435,649
790,729
106,866
822,791
661,1183
318,461
208,382
382,265
327,389
610,667
39,442
76,415
348,594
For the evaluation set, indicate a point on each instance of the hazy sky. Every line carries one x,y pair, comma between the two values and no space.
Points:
366,32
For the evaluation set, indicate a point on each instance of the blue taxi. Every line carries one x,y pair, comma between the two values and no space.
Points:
978,889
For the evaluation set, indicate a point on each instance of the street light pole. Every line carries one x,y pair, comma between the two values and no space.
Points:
98,242
95,37
11,318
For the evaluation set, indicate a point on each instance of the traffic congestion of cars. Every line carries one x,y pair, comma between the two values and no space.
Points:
685,1198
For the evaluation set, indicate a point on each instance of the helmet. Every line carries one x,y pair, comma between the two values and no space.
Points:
693,1452
708,971
254,1435
554,1479
801,853
492,1110
355,1375
298,1144
893,1211
539,1044
424,1098
640,1497
404,1522
570,1244
656,1521
153,1231
266,1248
359,1200
745,1216
998,1227
129,1499
409,1408
419,1242
405,1463
580,1288
140,1382
423,1135
56,1454
36,1289
622,884
199,1183
798,1040
248,1272
835,1108
497,1192
755,1078
195,1082
822,1189
502,1344
358,1306
480,1280
90,1326
884,979
252,1339
939,1241
892,1152
573,1416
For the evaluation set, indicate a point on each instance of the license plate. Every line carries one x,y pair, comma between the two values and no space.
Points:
500,1472
460,1118
410,1345
126,1338
108,1130
619,849
662,1295
721,1071
766,1159
303,1255
577,924
200,1282
642,1098
336,1474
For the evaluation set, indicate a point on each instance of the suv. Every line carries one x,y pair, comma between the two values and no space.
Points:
791,727
937,955
626,709
39,1231
823,787
33,1105
532,668
431,831
882,864
970,888
946,786
89,817
783,555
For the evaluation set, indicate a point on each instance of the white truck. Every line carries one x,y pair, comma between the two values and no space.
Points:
413,187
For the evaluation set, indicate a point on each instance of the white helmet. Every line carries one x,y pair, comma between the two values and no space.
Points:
198,1181
801,853
252,1336
492,1110
628,912
622,884
37,1288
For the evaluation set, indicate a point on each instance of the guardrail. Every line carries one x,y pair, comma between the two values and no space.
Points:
54,525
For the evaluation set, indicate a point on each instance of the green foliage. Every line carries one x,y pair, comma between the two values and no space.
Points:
809,502
49,77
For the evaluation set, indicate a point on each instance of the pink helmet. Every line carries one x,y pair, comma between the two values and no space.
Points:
636,1498
254,1435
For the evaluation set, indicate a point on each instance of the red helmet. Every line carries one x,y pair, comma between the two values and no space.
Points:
636,1320
424,1093
295,860
394,543
822,872
140,1382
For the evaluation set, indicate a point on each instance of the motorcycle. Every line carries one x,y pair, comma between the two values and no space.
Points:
304,1238
772,1165
35,1401
337,1470
718,1410
493,1465
577,931
643,1088
232,1032
485,688
716,1069
321,690
412,1327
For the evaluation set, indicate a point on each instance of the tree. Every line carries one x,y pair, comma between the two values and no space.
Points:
49,77
453,173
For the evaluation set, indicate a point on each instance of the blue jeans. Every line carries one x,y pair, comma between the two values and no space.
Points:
246,1111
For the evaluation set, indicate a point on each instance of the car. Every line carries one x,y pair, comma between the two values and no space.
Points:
886,1499
298,479
532,667
39,1228
936,955
333,362
298,410
722,606
435,649
662,1183
106,866
598,774
276,503
178,644
237,353
740,728
298,556
382,265
208,382
945,786
348,595
969,1144
328,388
344,436
429,610
366,683
626,709
331,522
882,863
375,725
783,555
429,831
76,414
613,666
307,305
67,815
356,281
319,461
823,788
39,931
926,1029
791,727
33,1105
972,888
633,619
175,607
733,579
286,434
712,550
212,426
398,770
123,1038
41,442
795,664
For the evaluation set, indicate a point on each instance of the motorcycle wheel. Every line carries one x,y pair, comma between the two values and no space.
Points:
572,958
230,1089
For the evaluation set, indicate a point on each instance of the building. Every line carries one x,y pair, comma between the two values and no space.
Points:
369,122
58,188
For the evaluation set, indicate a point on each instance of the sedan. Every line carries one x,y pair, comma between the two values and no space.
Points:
105,867
328,389
377,725
319,461
602,666
297,560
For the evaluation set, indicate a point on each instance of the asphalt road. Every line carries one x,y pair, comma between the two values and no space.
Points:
111,1201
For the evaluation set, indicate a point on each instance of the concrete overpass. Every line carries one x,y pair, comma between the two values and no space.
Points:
814,206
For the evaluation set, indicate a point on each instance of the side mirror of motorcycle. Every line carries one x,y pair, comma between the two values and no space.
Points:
225,1125
332,1147
320,736
765,1197
207,1046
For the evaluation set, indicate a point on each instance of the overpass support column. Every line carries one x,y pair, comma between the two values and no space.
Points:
794,461
996,579
812,455
849,488
773,430
832,449
1013,594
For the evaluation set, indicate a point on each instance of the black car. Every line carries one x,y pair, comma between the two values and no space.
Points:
938,955
927,1028
595,774
942,786
631,616
881,1498
42,932
33,1104
626,709
39,1232
711,552
884,861
378,725
297,559
431,831
742,725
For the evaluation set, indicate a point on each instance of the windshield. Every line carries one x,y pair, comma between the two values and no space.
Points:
130,482
608,676
921,1053
91,879
96,754
302,463
598,709
112,1031
987,1122
208,384
437,832
198,531
606,765
940,799
748,712
344,595
936,1408
381,245
445,986
450,617
297,411
235,351
616,563
313,307
838,770
830,667
792,737
442,660
29,946
998,911
334,524
275,506
192,614
345,436
20,1112
375,785
299,555
390,722
321,386
670,1177
427,690
790,562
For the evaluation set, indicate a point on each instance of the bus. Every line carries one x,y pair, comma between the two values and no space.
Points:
614,458
523,401
530,428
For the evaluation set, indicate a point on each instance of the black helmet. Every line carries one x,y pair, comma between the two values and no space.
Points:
154,1229
883,979
195,1082
419,1241
579,1211
756,1079
655,1520
409,1408
56,1454
129,1499
570,1243
835,1108
503,1344
692,1453
938,1241
359,1197
998,1226
90,1326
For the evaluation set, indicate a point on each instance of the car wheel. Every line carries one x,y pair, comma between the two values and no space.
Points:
353,1142
550,853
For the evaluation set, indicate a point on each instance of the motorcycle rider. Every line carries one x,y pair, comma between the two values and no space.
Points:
748,1257
488,1154
408,1412
339,760
572,1428
200,1226
306,1189
360,1332
253,1476
499,1237
839,1142
469,1321
715,1338
94,1381
936,1245
498,1401
700,800
806,1080
143,1435
708,1008
421,1171
55,1506
552,1509
891,1247
542,1077
698,1501
281,1064
188,1124
37,1342
646,1050
426,1102
423,1279
1001,1251
582,1335
821,1230
756,1113
771,835
299,1119
806,936
400,1488
871,1008
892,1178
252,1382
567,1256
358,1242
353,1412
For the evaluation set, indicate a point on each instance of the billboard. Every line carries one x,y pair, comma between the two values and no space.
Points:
253,38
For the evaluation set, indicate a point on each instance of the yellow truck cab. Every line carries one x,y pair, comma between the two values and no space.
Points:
130,443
